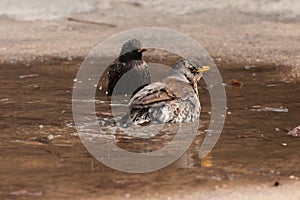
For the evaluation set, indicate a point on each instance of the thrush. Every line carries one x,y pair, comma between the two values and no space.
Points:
174,99
130,70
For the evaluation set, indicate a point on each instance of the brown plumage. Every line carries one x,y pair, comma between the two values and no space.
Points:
174,99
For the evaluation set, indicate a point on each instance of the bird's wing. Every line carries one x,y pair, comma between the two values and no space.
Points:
180,88
155,94
115,72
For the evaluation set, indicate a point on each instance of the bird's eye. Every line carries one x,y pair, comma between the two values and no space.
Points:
194,69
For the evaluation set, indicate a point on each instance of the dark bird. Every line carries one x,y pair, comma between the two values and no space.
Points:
130,70
174,99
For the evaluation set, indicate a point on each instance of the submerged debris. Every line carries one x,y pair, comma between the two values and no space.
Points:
45,139
271,85
25,192
284,144
28,76
236,83
295,132
248,67
41,126
261,108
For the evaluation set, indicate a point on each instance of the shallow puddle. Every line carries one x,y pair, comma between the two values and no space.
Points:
42,155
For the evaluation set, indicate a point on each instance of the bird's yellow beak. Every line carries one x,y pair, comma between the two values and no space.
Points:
204,69
142,50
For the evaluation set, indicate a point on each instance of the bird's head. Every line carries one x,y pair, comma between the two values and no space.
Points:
191,69
131,50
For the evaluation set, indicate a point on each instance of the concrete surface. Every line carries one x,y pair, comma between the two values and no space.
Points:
257,32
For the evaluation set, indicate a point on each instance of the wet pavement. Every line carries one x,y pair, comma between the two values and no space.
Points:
42,155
